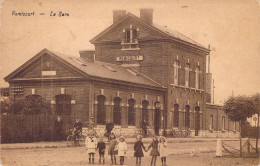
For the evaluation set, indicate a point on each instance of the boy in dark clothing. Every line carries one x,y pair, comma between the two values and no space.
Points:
101,146
109,128
78,128
58,128
144,127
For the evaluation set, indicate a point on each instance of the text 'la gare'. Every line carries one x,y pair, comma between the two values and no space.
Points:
59,14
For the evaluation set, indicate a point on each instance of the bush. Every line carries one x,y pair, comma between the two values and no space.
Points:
35,104
249,131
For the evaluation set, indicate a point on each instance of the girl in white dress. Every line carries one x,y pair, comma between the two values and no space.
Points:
162,150
91,145
122,148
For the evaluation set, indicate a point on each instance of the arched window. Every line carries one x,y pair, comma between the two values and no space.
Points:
176,115
63,104
117,111
101,109
131,112
145,110
197,120
187,116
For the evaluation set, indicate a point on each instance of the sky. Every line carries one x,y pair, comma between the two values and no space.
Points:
231,28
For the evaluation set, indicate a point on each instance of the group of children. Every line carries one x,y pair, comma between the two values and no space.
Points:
116,148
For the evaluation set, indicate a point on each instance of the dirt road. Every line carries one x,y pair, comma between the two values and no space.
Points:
78,156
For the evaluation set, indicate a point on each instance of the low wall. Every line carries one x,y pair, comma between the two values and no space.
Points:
132,131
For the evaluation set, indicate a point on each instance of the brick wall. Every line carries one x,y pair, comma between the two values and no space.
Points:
110,91
218,113
77,90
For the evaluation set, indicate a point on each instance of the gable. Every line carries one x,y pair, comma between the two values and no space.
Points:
116,33
46,66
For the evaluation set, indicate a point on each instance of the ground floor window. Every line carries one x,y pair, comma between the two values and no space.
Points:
211,122
187,116
117,111
197,120
223,123
101,109
63,104
131,112
145,110
176,115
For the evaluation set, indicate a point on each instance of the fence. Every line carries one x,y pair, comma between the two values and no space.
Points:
31,128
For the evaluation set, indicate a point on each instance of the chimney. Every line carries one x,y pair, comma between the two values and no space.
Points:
118,14
147,16
88,54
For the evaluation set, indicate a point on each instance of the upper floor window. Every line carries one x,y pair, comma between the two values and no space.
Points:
176,72
197,77
131,36
187,74
130,41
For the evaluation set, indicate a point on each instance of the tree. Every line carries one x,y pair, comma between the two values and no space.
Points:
256,100
5,103
35,104
239,109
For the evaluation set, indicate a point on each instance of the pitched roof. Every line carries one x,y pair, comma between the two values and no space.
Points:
177,35
93,69
173,34
108,70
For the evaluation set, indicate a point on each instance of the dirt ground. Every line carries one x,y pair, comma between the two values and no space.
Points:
179,156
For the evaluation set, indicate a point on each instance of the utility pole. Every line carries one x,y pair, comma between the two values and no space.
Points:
213,91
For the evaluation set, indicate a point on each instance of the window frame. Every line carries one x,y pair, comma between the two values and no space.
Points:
176,72
131,112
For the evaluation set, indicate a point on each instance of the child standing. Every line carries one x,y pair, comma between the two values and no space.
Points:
101,146
91,144
154,153
138,150
162,150
111,148
122,148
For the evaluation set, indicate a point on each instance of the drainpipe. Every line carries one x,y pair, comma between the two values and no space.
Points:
217,122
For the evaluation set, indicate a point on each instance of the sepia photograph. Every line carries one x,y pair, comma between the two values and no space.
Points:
130,82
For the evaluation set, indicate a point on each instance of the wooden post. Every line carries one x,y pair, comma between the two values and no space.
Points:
240,139
257,126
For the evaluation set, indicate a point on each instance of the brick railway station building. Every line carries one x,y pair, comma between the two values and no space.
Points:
137,70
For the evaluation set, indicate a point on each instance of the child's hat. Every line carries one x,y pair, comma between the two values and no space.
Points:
139,136
162,137
122,137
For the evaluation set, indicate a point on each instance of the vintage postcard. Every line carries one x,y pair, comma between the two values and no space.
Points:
130,82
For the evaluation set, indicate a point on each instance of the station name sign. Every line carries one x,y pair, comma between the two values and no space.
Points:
129,58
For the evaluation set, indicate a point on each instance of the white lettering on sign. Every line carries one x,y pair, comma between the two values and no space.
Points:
129,58
49,73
